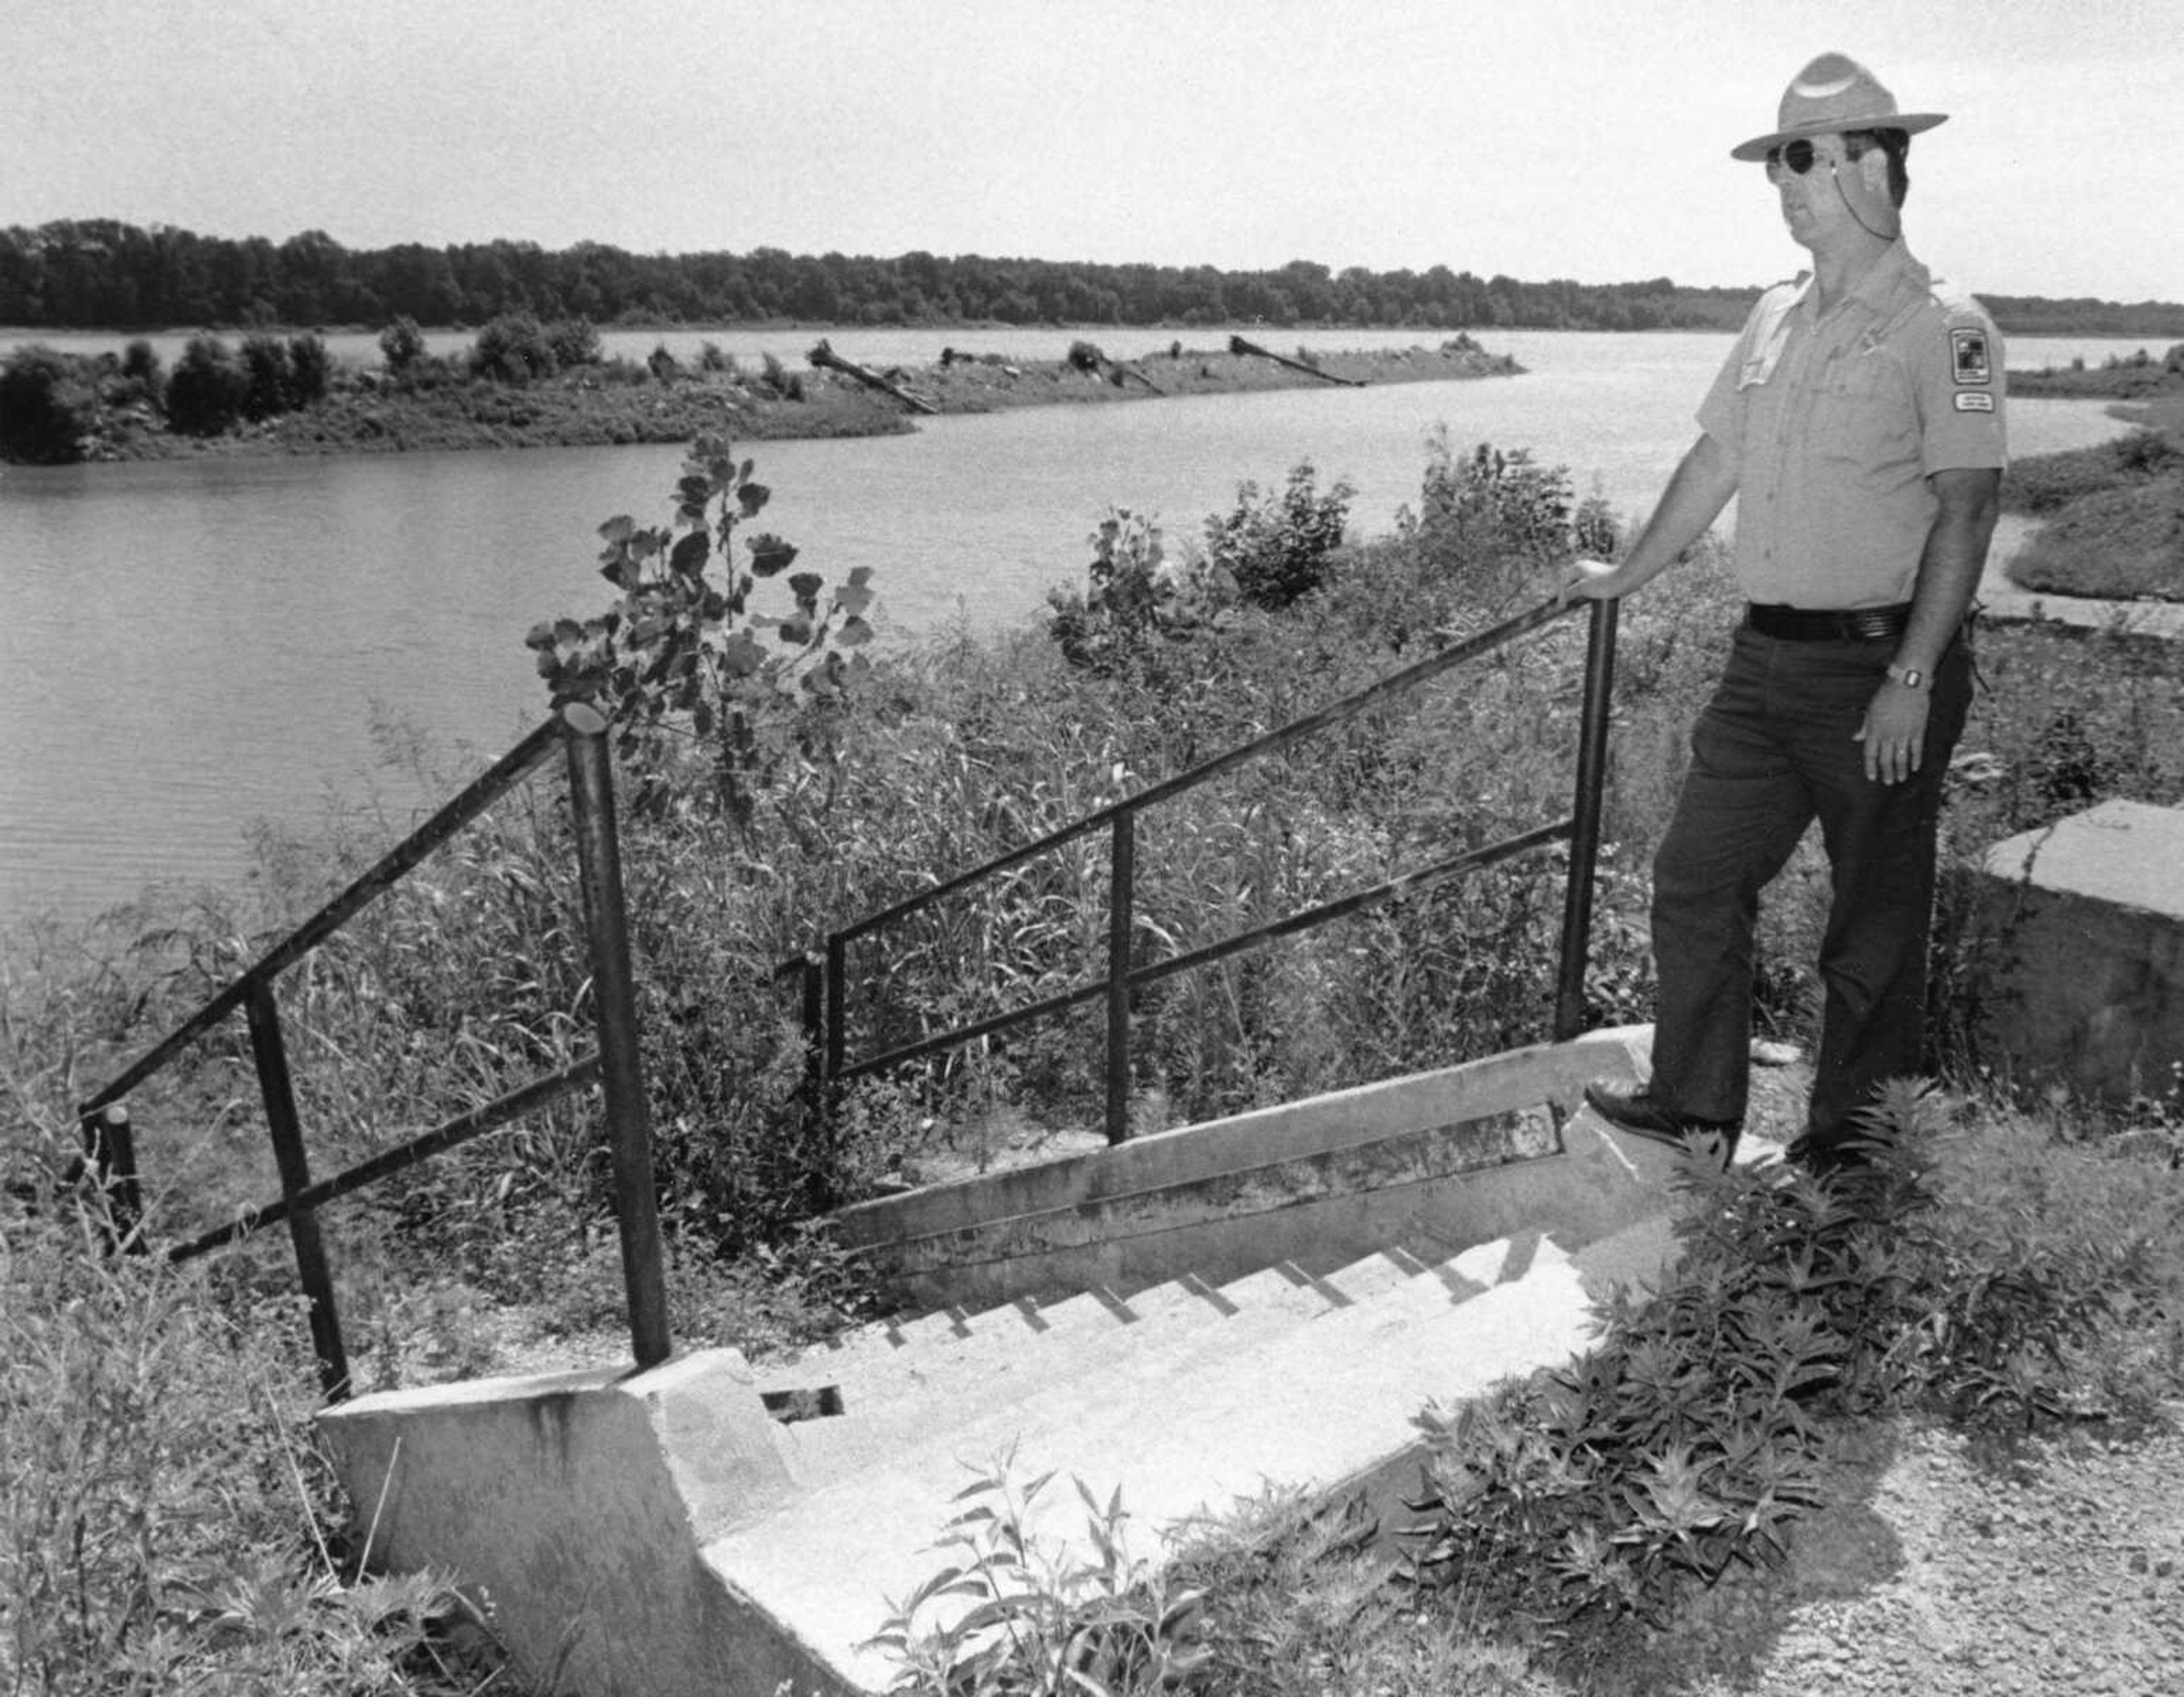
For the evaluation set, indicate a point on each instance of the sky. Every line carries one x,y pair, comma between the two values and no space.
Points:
1586,139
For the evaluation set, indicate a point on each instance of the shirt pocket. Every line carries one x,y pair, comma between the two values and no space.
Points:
1861,412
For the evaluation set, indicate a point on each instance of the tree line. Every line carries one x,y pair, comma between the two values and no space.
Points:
101,274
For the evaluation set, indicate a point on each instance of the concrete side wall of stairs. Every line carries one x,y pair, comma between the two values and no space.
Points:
1448,1157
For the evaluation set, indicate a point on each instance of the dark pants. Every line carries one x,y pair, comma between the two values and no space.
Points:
1773,751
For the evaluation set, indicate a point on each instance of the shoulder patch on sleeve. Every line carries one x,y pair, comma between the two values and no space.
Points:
1975,400
1969,360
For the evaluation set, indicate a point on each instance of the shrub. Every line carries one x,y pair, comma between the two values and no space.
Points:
1135,598
513,349
779,380
267,375
722,711
575,342
401,345
46,407
1499,503
1278,548
664,366
311,371
139,364
208,390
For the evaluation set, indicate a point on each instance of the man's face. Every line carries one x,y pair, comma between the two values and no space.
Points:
1835,194
1812,204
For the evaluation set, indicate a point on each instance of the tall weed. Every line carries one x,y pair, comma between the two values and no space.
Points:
160,1514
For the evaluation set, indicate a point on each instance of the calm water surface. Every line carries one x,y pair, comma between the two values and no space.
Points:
195,646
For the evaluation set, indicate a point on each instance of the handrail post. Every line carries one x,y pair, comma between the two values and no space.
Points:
1122,857
812,988
109,1149
837,983
277,1088
1584,821
621,1071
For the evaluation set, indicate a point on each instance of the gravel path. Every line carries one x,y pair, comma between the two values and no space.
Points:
2059,1569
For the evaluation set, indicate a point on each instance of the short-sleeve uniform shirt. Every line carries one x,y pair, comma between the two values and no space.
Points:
1835,423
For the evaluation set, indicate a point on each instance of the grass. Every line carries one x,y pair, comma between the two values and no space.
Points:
469,981
164,1525
2118,545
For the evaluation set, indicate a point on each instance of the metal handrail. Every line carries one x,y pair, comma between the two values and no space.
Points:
825,979
1280,738
498,779
109,1136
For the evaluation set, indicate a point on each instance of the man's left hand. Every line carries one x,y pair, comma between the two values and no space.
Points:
1894,732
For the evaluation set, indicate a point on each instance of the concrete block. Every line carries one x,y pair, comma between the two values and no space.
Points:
576,1505
2082,923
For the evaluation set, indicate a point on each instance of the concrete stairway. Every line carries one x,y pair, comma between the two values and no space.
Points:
1189,1399
1186,1321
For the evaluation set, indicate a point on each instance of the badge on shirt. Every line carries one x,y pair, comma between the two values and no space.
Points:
1968,356
1973,400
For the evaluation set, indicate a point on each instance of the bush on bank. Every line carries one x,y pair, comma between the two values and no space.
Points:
46,407
2118,545
2113,513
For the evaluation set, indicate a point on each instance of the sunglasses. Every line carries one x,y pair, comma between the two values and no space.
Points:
1798,157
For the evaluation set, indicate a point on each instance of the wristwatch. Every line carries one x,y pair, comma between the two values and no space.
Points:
1910,677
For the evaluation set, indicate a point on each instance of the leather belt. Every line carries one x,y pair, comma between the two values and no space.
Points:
1828,624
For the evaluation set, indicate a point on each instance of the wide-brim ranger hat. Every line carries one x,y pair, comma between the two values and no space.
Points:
1834,93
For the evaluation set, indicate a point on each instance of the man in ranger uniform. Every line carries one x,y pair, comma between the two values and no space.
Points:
1858,421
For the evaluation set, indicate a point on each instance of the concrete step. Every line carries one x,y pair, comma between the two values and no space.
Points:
1323,1404
1164,1371
884,1362
954,1389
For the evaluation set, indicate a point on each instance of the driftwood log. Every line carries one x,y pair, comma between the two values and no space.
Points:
1086,357
1123,369
826,358
1237,344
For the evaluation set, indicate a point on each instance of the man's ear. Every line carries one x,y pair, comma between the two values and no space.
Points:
1873,169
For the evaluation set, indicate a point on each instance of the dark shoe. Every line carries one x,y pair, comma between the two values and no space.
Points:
1637,1111
1830,1160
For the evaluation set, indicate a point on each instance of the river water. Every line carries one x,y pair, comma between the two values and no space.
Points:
191,646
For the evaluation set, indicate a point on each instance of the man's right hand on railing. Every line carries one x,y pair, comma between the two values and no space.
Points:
1593,580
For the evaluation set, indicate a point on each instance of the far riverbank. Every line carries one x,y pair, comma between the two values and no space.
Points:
621,403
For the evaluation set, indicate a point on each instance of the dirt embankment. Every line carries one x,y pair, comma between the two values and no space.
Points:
602,407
